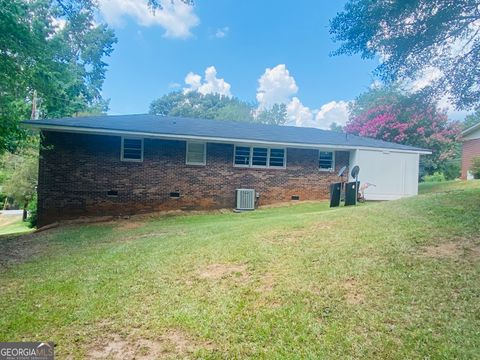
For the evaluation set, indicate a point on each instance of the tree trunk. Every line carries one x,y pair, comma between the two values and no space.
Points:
24,216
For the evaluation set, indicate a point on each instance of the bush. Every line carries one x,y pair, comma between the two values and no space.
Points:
451,169
475,169
436,177
32,212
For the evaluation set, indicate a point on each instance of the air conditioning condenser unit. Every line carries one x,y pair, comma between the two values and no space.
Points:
245,199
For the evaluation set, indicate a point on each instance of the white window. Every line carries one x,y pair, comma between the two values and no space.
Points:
196,153
132,149
259,157
326,160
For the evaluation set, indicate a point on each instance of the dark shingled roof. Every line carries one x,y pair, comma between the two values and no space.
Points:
228,130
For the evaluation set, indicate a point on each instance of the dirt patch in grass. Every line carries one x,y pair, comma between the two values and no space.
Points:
16,249
129,225
221,271
452,249
353,292
173,344
267,283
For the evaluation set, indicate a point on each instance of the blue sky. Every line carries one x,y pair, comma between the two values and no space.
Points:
241,40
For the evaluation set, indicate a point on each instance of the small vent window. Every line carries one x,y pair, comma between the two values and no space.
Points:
326,160
196,153
242,155
132,149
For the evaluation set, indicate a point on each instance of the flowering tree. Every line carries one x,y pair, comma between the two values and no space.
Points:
387,114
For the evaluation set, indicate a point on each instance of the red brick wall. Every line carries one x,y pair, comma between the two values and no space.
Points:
470,149
77,170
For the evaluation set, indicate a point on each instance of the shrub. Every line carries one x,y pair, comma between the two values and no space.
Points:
436,177
475,169
451,169
32,212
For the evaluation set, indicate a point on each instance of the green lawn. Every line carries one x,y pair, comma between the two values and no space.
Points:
392,280
13,225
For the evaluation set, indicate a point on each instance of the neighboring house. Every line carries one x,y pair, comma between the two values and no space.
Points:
118,165
470,149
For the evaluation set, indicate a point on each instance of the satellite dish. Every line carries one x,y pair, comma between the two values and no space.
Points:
355,171
342,171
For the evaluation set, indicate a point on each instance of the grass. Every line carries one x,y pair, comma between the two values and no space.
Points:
393,280
13,225
452,185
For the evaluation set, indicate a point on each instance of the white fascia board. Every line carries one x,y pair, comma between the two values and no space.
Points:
74,129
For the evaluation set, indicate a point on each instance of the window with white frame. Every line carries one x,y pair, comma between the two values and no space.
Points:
242,156
132,149
196,153
259,157
326,160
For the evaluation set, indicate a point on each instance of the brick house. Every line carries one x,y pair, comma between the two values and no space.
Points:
470,149
119,165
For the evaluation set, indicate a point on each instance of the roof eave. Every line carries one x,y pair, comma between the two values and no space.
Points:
471,129
88,130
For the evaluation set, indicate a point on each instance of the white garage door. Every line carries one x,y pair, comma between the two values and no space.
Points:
394,174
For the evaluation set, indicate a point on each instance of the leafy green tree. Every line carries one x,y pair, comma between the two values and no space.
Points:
415,36
214,106
276,115
22,170
336,127
195,105
471,120
475,167
52,48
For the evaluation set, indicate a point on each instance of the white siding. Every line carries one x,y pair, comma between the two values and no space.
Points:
394,174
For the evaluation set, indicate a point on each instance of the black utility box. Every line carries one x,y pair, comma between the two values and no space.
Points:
351,193
335,191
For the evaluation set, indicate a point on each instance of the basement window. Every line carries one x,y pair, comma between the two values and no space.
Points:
326,161
196,153
112,193
259,157
132,149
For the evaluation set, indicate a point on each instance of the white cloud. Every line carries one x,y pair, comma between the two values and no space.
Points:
174,85
176,17
276,86
299,114
425,78
222,32
210,84
332,112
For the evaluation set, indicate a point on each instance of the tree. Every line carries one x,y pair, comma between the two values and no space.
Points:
475,167
54,48
195,105
276,115
414,37
214,106
471,120
336,127
22,170
390,115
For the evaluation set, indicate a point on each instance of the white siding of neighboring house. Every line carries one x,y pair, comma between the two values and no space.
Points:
395,174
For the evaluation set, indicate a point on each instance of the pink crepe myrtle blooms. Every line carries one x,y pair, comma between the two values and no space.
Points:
415,125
